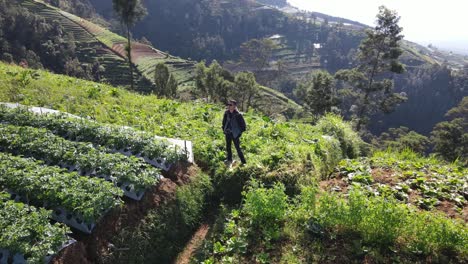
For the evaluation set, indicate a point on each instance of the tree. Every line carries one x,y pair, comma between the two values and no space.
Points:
166,84
257,52
319,93
378,59
451,137
401,138
246,88
129,12
200,78
213,82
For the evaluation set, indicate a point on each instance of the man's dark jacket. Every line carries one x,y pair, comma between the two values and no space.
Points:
233,122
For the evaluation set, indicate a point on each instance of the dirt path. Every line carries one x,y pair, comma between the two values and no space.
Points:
193,244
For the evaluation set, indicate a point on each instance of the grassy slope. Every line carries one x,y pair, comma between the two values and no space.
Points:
290,153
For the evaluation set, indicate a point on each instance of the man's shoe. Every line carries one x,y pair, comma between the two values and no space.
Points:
227,161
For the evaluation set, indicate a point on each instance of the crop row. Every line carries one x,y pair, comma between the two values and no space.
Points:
84,158
26,230
55,187
112,137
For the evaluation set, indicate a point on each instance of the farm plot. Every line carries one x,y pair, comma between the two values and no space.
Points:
45,176
75,200
420,181
131,174
114,139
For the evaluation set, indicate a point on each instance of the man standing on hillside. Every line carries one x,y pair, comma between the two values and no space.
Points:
233,126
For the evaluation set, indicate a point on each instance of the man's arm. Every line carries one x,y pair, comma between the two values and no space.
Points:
224,121
241,122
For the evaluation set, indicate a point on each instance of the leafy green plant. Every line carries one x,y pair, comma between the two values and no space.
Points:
88,197
26,230
111,137
266,208
43,145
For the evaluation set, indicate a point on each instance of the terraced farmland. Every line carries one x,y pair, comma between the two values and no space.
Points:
71,170
95,43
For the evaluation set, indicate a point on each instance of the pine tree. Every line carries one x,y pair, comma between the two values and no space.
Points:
378,59
320,94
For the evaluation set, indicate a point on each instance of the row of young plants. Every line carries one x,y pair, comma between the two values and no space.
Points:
53,187
116,138
26,230
409,174
272,227
84,158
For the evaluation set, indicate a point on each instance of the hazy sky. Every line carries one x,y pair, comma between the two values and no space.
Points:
443,23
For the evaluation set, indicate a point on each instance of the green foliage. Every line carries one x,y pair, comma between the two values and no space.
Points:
166,229
402,138
244,233
114,138
213,82
350,142
129,11
165,82
32,41
257,52
319,93
265,208
429,179
26,230
378,55
451,137
246,88
87,197
43,145
384,224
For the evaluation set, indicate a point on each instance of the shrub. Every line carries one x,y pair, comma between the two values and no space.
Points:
350,142
266,208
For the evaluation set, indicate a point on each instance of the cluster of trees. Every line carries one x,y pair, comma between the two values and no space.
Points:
28,39
451,137
448,139
401,138
218,85
31,41
367,88
81,8
216,30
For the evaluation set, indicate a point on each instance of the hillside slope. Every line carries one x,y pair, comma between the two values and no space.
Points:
98,44
272,206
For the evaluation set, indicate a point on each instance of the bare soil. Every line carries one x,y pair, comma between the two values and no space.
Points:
194,243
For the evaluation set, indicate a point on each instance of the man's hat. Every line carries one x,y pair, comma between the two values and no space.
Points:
234,102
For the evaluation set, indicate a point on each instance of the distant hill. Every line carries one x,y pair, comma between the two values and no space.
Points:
278,3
